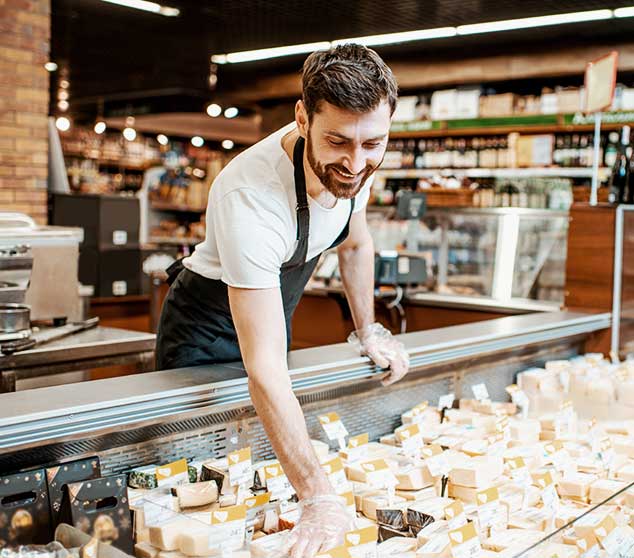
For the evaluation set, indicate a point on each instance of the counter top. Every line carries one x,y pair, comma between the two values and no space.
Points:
57,413
98,342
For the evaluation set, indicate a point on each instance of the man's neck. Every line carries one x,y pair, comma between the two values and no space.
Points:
314,188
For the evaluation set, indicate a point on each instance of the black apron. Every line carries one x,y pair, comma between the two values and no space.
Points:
196,327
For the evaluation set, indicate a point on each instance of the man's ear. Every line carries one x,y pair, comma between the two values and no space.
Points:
301,118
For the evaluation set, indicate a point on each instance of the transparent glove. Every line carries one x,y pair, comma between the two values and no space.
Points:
380,345
323,523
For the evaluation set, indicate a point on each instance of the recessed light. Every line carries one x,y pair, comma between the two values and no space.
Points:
162,139
231,112
100,127
197,141
214,110
227,144
50,66
62,124
129,134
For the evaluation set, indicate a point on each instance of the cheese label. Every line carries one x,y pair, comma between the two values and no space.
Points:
560,457
158,508
378,474
240,467
436,460
614,540
358,447
254,503
420,408
455,515
465,542
519,471
410,437
333,427
489,510
336,475
502,425
362,542
549,495
228,526
172,474
606,452
588,546
564,420
435,545
277,482
446,401
480,392
542,480
519,397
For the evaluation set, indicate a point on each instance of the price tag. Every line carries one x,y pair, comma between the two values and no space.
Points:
560,457
614,540
256,506
455,515
334,428
465,542
411,439
172,474
502,426
480,392
519,471
588,546
240,467
378,474
362,542
488,507
564,380
436,460
545,482
350,504
564,420
358,447
446,401
606,452
228,526
420,409
520,398
158,508
277,482
435,545
336,475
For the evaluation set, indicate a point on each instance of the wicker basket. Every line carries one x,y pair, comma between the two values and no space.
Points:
449,197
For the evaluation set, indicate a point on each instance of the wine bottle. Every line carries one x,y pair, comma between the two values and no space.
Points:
620,170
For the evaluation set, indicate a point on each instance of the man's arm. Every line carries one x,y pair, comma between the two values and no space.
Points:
356,265
258,315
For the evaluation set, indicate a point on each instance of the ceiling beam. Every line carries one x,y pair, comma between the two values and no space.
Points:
412,75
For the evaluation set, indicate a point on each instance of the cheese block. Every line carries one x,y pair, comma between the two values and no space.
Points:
479,472
226,500
393,516
626,473
145,550
531,519
361,494
414,478
425,534
166,536
321,449
586,525
197,494
576,486
268,545
512,538
512,495
218,470
623,445
170,554
143,477
437,547
142,536
559,550
567,513
370,504
396,547
526,431
604,488
195,542
423,494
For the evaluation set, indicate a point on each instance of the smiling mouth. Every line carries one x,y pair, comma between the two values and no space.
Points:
344,174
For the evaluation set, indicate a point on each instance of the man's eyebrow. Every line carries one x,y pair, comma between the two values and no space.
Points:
346,138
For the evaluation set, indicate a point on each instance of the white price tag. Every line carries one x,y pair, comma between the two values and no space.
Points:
378,474
465,542
337,476
277,482
489,508
446,401
564,380
436,460
480,392
411,439
228,526
158,508
240,467
358,447
550,498
172,474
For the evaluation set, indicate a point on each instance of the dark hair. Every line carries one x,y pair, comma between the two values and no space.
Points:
349,76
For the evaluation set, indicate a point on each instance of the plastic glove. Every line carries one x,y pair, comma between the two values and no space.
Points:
323,523
380,345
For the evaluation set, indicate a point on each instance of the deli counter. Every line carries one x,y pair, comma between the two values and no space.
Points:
128,426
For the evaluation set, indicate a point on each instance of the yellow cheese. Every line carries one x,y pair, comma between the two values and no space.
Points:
166,536
145,550
604,488
479,472
321,449
195,542
437,547
370,504
435,528
512,538
196,494
559,550
576,486
526,431
535,519
626,473
414,478
423,494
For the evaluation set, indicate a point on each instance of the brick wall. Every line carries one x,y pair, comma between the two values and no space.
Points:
24,49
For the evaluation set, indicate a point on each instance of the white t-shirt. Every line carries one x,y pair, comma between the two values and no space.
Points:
252,221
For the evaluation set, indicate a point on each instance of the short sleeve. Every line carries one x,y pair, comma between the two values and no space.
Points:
361,199
251,231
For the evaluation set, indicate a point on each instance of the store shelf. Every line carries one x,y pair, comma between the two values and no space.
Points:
530,124
537,172
168,206
174,241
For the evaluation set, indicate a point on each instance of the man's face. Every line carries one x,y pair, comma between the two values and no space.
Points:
344,148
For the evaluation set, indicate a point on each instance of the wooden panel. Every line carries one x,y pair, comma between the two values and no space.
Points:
124,313
430,317
590,260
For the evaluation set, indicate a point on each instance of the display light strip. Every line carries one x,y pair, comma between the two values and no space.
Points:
146,7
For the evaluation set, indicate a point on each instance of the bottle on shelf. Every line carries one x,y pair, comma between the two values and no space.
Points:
611,149
620,170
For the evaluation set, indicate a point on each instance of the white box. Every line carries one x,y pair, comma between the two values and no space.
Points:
405,109
468,103
443,104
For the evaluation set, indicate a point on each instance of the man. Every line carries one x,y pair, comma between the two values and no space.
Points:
272,211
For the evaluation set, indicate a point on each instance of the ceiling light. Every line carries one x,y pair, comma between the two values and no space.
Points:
231,112
100,127
197,141
540,21
227,144
62,95
162,139
624,12
263,53
62,124
198,173
392,38
50,66
146,6
63,106
64,84
129,134
214,110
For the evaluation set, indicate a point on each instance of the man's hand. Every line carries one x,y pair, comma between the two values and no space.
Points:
323,523
380,345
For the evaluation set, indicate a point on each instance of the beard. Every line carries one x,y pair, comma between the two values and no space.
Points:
327,175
